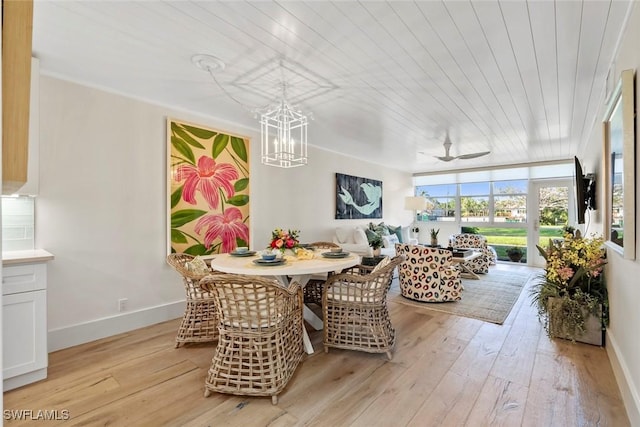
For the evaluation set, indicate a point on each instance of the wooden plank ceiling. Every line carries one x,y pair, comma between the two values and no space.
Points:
384,81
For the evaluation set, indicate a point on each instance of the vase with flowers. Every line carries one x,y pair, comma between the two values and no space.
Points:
284,239
572,295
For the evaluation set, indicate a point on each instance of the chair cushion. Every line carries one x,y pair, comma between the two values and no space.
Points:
197,266
382,264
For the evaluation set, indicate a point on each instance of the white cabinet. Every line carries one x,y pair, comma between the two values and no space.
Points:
24,323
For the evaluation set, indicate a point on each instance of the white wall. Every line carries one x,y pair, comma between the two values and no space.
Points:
623,345
102,207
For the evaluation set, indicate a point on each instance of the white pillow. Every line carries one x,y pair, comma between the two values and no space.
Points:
390,241
360,237
343,234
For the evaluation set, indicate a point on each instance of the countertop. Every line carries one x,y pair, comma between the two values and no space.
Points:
24,257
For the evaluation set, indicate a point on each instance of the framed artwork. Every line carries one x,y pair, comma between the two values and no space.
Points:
207,189
619,158
358,197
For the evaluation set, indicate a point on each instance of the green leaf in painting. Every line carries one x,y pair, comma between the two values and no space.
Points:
239,147
180,218
175,197
241,242
238,200
188,138
219,144
178,236
196,250
241,184
199,132
183,149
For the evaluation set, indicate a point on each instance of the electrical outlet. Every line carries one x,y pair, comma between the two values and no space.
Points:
122,304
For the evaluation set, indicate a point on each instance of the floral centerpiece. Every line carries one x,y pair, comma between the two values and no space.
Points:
282,240
573,286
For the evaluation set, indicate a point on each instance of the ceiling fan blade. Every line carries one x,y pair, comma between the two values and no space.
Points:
445,158
473,155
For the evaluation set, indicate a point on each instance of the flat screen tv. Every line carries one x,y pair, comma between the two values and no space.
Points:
581,192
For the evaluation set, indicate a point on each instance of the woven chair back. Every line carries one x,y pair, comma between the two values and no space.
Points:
191,281
251,302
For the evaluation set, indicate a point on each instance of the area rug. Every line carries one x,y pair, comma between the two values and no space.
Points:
489,299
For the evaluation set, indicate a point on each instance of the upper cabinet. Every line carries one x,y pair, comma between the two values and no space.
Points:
17,25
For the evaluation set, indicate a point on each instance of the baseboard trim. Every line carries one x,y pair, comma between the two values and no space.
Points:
628,389
85,332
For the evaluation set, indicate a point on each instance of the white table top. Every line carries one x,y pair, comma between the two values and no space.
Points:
293,267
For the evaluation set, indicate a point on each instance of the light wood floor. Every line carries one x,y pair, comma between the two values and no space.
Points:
446,371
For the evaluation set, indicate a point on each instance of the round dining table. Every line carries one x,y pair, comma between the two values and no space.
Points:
293,269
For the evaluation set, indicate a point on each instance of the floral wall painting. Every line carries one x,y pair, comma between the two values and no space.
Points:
357,197
207,189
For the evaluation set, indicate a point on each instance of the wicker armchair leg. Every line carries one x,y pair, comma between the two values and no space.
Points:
389,355
207,392
274,399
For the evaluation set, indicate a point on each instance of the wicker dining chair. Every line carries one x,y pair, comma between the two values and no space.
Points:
260,342
313,288
199,322
354,304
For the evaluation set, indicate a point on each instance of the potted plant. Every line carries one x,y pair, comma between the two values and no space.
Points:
434,236
571,296
376,243
515,253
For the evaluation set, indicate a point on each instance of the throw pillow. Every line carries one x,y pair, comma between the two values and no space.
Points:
390,241
360,237
397,231
343,234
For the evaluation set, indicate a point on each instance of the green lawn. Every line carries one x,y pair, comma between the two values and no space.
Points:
503,238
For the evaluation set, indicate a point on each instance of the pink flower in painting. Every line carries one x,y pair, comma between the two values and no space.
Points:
227,226
206,178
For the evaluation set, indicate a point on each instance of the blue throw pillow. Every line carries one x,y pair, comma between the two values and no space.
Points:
397,231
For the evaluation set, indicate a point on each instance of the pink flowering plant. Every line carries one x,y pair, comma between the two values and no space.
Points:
284,239
574,277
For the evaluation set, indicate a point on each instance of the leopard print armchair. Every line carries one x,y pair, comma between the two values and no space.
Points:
476,242
427,274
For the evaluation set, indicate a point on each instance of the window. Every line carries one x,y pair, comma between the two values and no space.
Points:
474,202
510,201
441,202
497,202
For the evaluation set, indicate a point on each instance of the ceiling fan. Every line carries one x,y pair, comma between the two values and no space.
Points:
447,157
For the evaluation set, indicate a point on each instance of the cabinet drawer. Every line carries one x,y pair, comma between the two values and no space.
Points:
23,278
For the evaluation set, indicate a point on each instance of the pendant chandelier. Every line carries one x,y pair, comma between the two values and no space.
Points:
283,136
283,129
